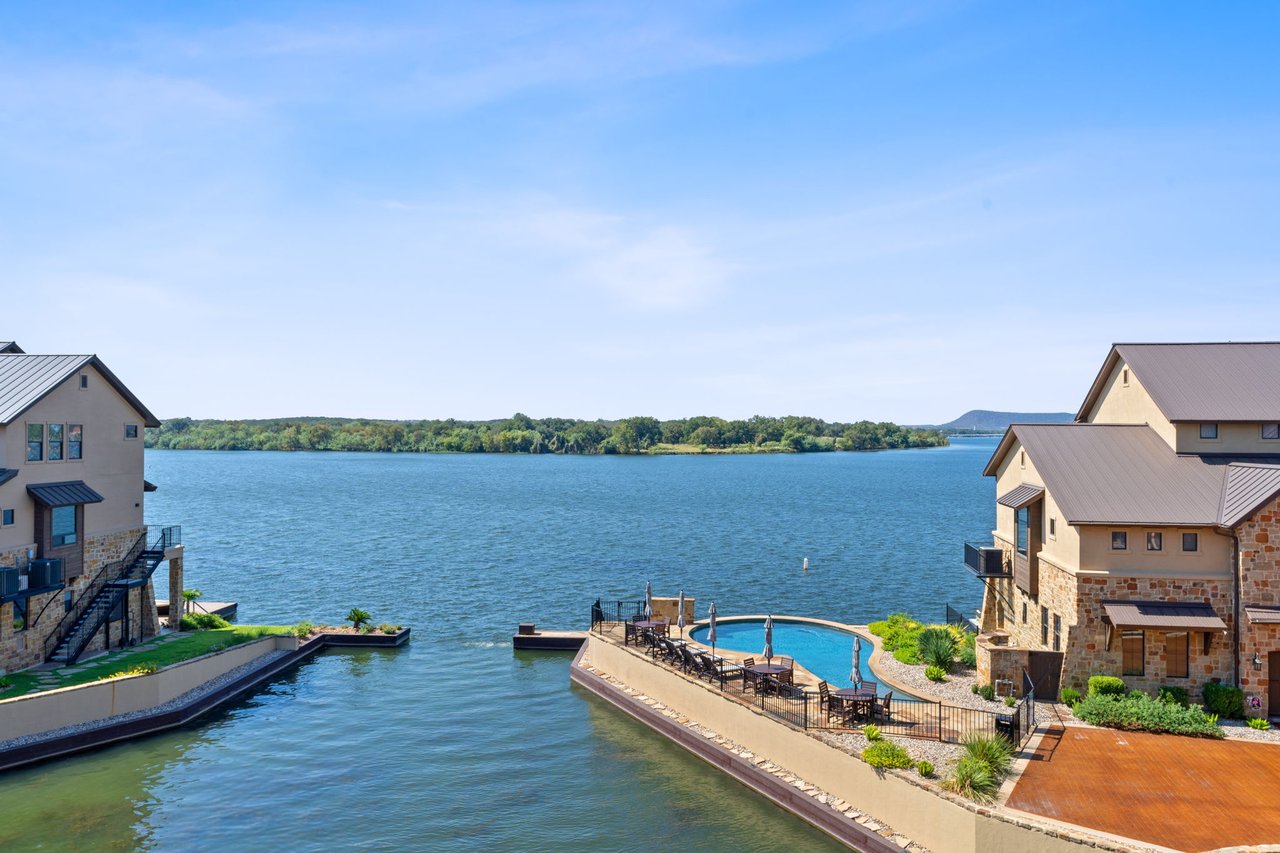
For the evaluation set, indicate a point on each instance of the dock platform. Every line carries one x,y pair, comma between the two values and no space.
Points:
527,637
225,609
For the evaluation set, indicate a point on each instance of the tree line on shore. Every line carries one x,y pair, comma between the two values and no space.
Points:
522,434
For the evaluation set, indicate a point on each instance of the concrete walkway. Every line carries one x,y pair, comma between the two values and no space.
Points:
1177,792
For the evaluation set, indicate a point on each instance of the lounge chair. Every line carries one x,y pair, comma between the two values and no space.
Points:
721,669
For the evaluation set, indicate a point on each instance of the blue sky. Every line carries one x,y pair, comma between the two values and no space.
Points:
891,211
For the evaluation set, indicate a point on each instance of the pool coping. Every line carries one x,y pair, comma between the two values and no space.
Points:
877,648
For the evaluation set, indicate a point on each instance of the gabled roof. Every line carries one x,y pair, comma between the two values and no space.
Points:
26,379
9,346
1117,474
1200,382
1247,487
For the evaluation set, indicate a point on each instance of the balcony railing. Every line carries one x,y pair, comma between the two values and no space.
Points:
985,561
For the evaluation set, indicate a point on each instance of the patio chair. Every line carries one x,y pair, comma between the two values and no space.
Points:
749,678
881,710
722,670
832,705
688,663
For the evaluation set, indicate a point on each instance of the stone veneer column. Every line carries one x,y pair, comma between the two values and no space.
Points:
175,586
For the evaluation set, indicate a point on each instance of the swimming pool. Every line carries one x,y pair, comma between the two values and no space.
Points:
825,651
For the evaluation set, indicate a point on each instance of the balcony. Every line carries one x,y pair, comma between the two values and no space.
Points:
42,576
985,561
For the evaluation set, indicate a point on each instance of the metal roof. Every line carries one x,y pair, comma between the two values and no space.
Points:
1117,474
148,486
1262,614
1187,615
26,379
63,494
9,346
7,474
1021,496
1248,486
1201,382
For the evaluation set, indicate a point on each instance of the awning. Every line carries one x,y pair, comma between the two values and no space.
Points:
1262,615
63,494
1162,615
148,486
1021,496
7,474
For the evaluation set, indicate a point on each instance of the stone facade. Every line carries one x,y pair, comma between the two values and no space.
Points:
1258,536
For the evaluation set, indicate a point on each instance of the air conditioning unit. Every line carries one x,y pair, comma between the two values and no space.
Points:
991,560
44,573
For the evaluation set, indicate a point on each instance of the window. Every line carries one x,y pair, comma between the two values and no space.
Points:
55,442
1191,542
1209,432
75,435
1024,613
1124,377
1177,649
1155,541
8,517
1119,540
35,442
1271,432
1057,633
1133,653
130,432
1022,459
1023,518
64,526
1044,626
1053,527
84,381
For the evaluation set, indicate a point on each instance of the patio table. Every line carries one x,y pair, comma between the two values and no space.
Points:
860,701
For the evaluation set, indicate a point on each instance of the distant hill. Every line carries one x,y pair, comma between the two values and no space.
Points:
982,420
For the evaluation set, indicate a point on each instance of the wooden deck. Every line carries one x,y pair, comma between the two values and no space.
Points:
1177,792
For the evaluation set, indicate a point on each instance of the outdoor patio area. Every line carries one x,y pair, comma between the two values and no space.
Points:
1178,792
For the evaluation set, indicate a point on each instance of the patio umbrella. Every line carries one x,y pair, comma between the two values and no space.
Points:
680,617
711,627
856,675
768,639
648,601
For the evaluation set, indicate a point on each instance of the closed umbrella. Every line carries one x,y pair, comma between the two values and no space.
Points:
711,628
648,600
768,639
680,617
856,675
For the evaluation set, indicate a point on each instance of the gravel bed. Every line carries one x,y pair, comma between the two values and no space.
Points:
172,704
956,690
1238,730
941,755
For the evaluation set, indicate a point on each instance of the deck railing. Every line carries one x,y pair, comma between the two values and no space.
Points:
605,613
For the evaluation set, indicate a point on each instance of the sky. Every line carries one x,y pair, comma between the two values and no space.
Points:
895,211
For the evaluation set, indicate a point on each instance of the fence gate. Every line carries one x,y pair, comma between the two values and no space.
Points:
1045,668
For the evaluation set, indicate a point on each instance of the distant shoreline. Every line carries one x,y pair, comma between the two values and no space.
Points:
639,436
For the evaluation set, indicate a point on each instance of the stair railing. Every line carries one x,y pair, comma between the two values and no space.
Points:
109,572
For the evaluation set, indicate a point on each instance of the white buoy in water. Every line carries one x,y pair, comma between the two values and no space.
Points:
806,565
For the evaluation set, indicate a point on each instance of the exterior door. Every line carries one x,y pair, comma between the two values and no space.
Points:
1273,683
1045,669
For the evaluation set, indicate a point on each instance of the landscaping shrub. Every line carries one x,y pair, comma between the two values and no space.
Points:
972,778
1010,701
907,654
358,617
1224,701
925,769
897,630
975,687
5,683
871,731
138,669
937,647
992,750
366,628
1258,723
1173,694
883,753
202,622
1105,685
987,691
1142,713
303,630
969,651
1069,696
935,673
388,628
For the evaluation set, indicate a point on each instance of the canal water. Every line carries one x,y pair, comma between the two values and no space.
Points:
456,742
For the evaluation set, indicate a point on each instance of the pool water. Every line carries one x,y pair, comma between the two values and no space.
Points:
824,651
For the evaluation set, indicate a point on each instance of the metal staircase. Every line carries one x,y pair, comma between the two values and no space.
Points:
105,596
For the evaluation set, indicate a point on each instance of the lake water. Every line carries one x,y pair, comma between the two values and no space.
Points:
456,742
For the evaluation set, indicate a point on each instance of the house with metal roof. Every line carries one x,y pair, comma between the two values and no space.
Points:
1140,540
75,557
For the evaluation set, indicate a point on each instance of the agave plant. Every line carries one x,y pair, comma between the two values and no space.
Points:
938,648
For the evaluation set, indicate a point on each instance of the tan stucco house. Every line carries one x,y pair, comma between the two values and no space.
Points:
75,559
1140,540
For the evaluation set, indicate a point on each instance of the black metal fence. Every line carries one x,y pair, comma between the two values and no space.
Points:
956,617
607,613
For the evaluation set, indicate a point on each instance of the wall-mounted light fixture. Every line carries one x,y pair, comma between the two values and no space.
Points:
1257,662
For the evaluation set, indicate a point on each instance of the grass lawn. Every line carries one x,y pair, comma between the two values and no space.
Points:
172,648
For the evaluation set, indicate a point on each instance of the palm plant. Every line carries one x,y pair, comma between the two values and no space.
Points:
358,617
189,598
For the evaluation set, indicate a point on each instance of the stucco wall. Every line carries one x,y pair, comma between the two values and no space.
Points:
110,465
1131,404
1212,560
